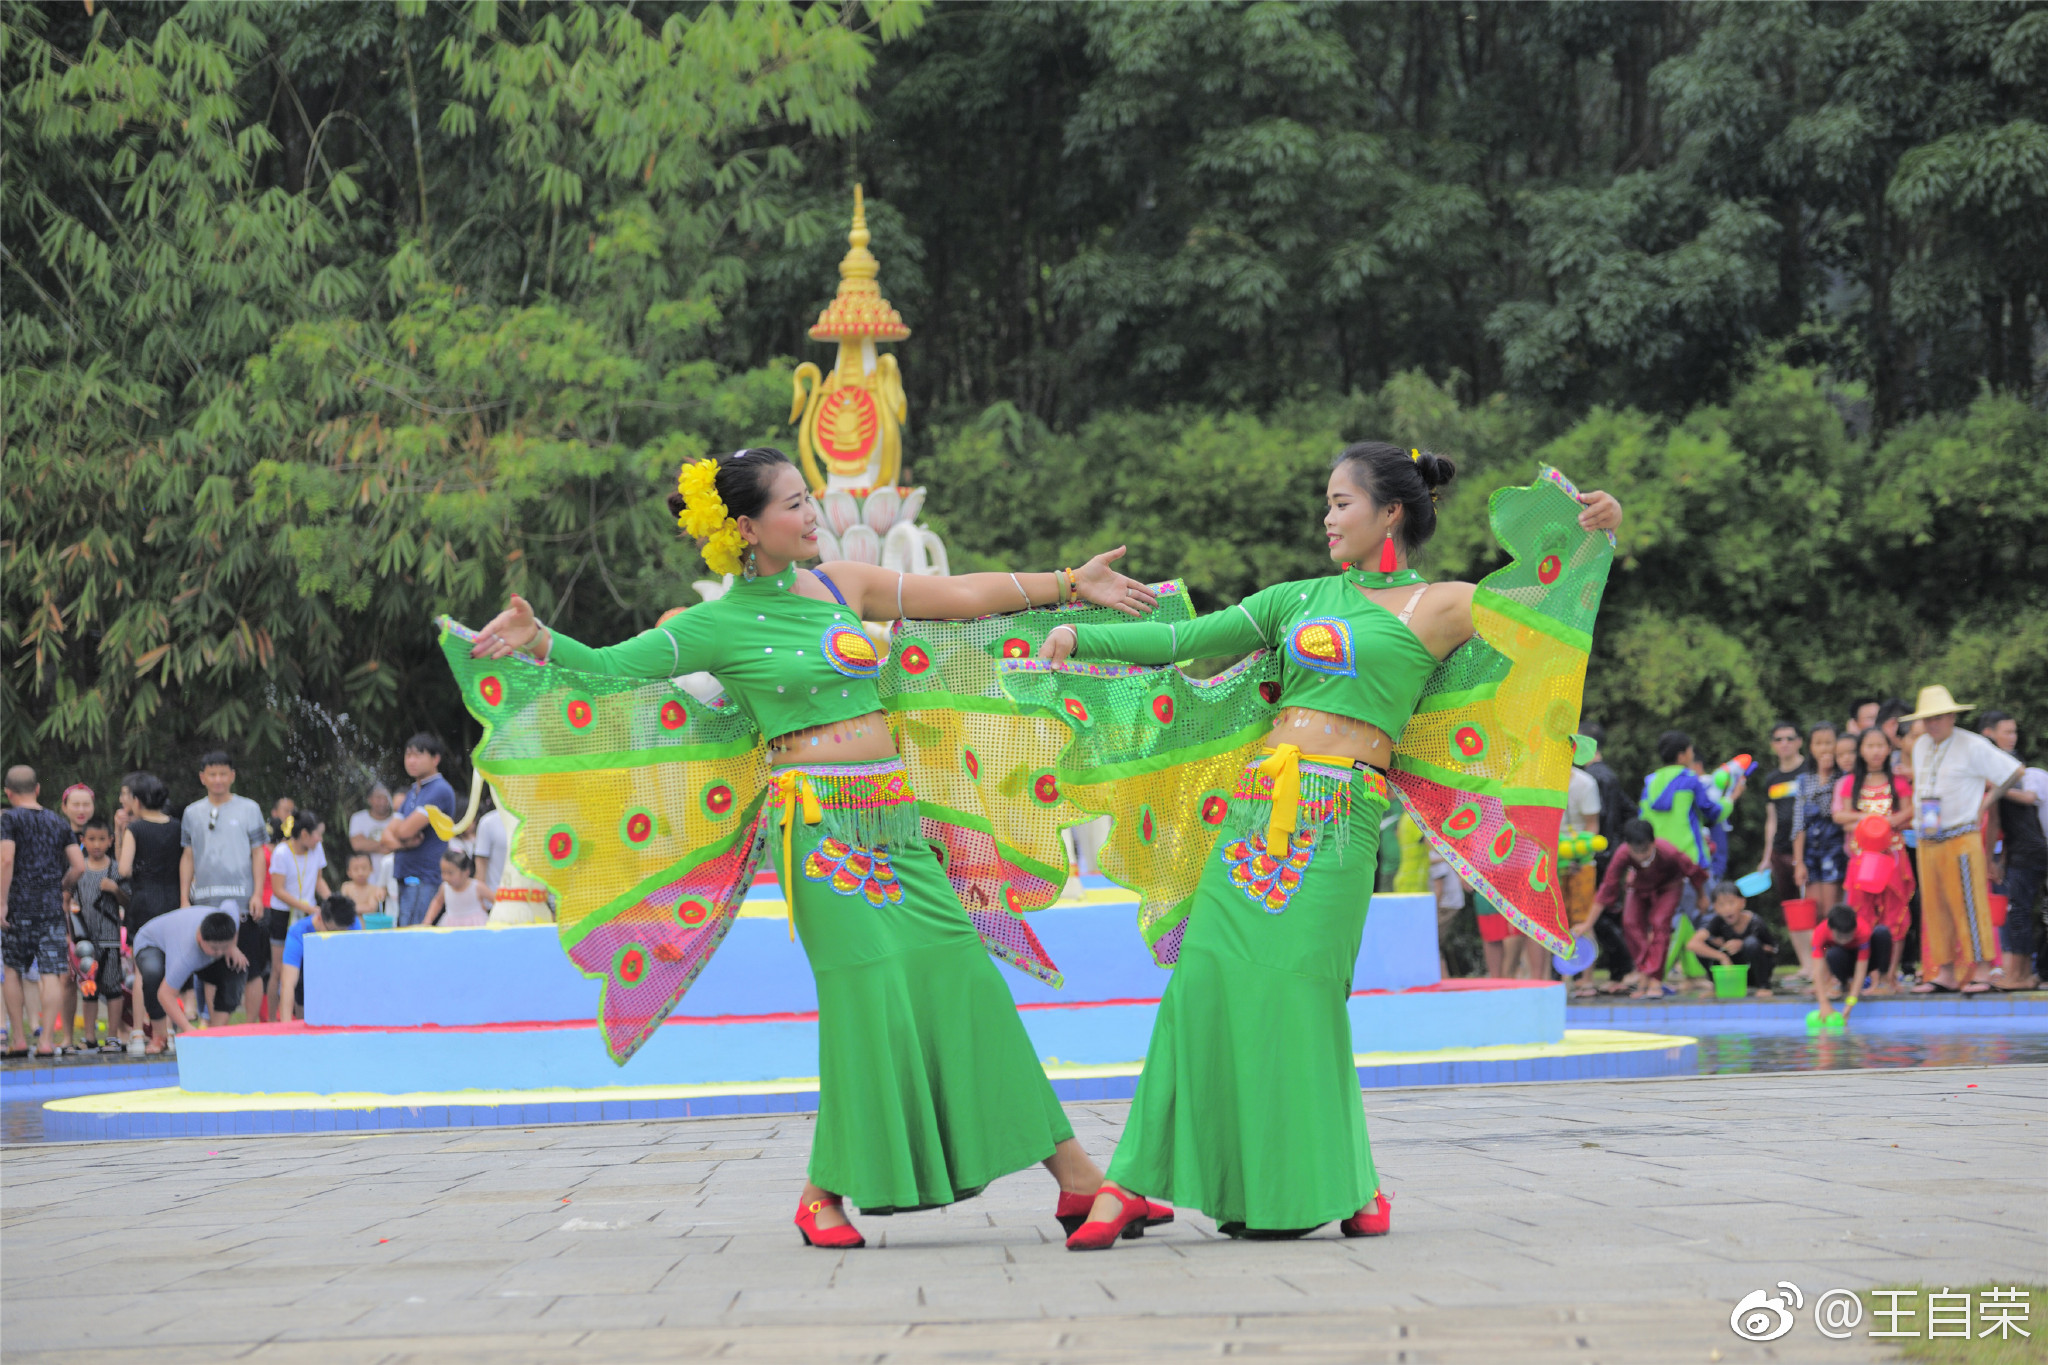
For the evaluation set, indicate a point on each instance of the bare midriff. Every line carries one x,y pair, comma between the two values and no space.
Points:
862,739
1324,732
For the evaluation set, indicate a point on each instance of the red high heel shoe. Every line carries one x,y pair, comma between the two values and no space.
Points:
1072,1211
1374,1220
838,1239
1129,1222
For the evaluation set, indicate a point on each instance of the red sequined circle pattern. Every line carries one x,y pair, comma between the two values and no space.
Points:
1162,709
1046,788
491,689
673,716
1548,570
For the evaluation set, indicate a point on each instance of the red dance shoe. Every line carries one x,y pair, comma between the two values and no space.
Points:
1129,1222
1374,1220
1073,1211
838,1239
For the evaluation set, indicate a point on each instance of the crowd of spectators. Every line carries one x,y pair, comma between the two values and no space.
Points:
164,920
1902,852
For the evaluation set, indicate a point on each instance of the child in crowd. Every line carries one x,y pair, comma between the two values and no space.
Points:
297,885
461,902
1735,937
1845,951
96,937
1873,788
366,894
1814,832
335,914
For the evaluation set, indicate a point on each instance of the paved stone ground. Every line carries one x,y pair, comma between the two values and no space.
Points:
1602,1222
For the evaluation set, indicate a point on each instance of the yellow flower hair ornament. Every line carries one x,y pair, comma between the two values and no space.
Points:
703,517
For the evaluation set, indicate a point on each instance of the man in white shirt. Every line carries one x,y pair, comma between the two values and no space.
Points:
1956,777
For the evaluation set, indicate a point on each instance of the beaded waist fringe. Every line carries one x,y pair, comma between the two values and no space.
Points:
869,805
1327,793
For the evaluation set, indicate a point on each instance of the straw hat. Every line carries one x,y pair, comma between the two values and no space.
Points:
1935,701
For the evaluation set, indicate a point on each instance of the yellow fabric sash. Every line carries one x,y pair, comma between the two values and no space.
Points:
1283,765
793,785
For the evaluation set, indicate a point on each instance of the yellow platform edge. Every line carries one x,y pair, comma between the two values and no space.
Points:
171,1100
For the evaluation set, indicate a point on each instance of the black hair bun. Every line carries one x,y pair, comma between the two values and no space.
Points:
1436,470
676,504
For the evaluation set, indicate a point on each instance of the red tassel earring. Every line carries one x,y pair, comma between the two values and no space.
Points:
1387,564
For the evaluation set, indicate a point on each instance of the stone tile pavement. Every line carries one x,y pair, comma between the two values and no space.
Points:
1614,1221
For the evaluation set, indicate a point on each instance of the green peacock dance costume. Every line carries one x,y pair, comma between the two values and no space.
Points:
1255,868
647,812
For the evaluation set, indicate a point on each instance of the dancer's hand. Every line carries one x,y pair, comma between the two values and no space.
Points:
1058,646
510,630
1105,587
1602,512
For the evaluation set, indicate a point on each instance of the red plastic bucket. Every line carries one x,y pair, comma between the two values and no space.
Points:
1997,911
1801,914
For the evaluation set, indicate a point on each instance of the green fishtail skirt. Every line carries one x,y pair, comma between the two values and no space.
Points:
1249,1107
928,1085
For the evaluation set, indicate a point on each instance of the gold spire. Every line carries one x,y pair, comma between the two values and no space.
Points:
859,312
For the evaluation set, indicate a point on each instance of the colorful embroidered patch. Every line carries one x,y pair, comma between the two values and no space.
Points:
1269,882
578,712
1077,711
1213,807
1270,691
673,716
690,914
560,846
636,827
1016,647
1463,820
854,871
1323,646
913,656
491,688
630,964
1470,742
1503,845
850,651
1045,789
1548,569
717,800
1162,709
970,761
1148,827
1539,876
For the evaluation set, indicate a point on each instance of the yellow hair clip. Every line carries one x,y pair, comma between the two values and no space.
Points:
1415,455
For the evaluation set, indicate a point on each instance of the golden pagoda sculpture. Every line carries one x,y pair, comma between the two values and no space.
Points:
850,424
852,419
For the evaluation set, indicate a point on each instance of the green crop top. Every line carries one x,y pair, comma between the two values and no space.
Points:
1322,628
790,662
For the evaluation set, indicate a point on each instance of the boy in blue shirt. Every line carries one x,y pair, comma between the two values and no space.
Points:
416,866
335,914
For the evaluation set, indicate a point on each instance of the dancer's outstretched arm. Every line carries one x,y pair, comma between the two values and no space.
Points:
880,594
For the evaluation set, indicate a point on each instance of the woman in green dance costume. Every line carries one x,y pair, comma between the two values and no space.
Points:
928,1084
1249,1105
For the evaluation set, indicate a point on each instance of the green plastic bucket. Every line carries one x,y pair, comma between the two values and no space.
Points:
1731,982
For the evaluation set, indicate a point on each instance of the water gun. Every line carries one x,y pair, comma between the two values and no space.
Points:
1575,847
1723,777
85,961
